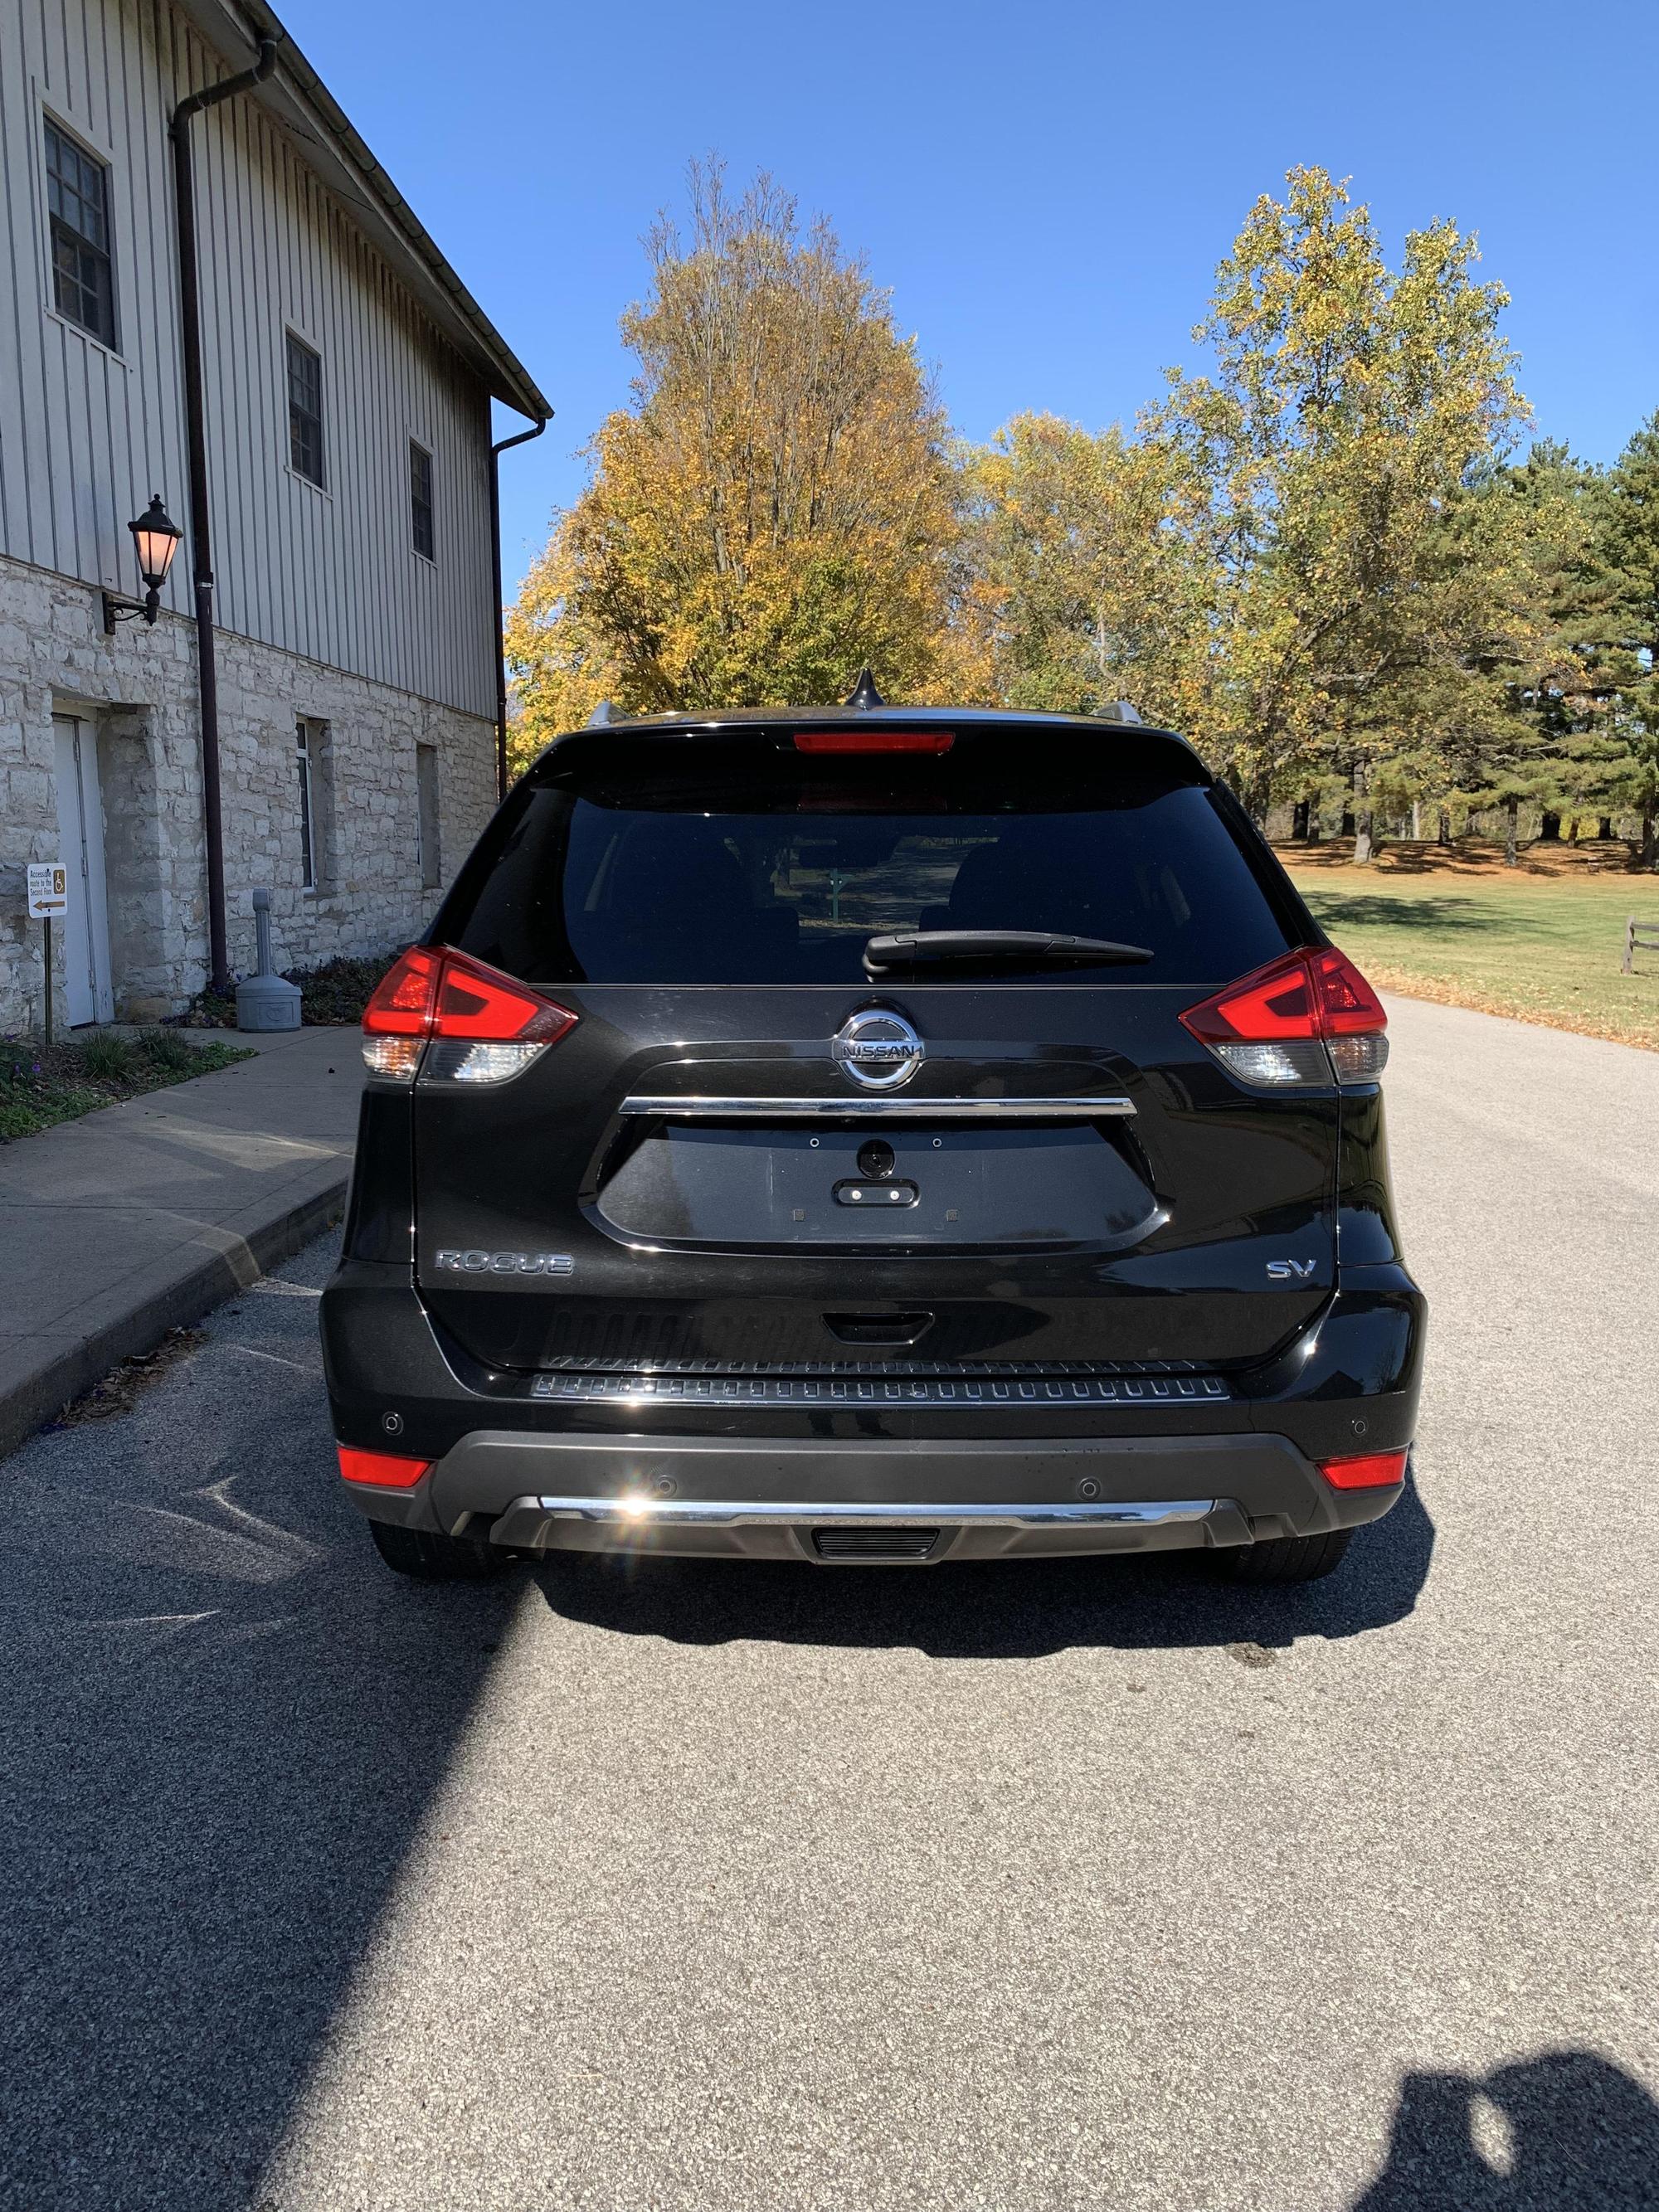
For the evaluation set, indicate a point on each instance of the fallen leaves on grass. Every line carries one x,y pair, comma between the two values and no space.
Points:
1443,992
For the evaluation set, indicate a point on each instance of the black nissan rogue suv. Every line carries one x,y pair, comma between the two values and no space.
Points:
873,1135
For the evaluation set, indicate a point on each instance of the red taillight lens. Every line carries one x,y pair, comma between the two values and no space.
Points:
476,1002
1276,1001
473,1024
1365,1471
1348,1005
874,741
387,1470
403,1000
1294,1020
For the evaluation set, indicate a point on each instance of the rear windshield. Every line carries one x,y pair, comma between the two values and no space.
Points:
763,868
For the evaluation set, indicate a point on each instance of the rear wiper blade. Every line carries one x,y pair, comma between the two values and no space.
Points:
929,947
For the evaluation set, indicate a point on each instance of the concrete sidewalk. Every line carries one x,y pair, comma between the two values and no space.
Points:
120,1227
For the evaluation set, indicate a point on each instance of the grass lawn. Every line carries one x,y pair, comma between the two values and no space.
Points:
1542,942
39,1088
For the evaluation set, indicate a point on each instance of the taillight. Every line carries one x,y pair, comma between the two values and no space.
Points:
1354,1021
387,1470
472,1024
1365,1470
399,1017
874,741
1296,1021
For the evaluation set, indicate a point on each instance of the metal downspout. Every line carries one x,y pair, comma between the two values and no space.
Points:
195,446
495,453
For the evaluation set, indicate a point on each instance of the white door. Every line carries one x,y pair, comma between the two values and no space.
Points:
85,928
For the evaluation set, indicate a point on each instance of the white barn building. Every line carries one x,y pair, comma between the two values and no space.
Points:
346,381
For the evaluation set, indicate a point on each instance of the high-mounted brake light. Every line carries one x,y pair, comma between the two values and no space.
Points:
1296,1021
387,1470
1365,1470
874,741
472,1024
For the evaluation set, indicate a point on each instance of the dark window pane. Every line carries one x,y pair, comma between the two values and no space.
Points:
307,849
82,279
780,874
420,501
305,409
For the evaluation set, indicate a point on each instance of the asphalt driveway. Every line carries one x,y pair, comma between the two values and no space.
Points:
1089,1885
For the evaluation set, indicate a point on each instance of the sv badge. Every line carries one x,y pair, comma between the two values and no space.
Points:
1286,1271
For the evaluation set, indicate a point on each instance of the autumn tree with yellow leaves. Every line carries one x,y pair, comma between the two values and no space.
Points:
773,510
1092,571
1290,550
1316,558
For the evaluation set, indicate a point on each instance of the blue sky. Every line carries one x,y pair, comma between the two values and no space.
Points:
1045,186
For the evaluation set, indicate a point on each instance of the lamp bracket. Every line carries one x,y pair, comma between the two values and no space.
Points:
117,609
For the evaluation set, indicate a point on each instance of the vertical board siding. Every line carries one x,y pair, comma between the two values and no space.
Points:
87,434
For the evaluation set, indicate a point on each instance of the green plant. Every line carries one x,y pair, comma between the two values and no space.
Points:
168,1052
336,991
19,1061
108,1060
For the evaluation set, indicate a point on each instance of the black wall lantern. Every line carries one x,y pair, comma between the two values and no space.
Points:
157,541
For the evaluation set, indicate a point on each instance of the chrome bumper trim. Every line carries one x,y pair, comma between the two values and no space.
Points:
878,1108
644,1511
1151,1391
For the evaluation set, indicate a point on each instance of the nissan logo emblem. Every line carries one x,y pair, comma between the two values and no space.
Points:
877,1050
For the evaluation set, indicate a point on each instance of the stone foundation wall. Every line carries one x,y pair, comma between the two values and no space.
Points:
137,690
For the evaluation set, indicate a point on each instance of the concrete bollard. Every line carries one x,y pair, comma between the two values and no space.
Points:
263,1000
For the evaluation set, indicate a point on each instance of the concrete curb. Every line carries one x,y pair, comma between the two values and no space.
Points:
182,1290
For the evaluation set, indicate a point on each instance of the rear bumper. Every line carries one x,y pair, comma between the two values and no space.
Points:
1051,1470
781,1498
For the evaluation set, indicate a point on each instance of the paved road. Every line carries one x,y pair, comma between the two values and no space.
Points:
1002,1886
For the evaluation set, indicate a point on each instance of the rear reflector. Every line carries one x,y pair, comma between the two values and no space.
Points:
1365,1471
874,741
473,1024
389,1470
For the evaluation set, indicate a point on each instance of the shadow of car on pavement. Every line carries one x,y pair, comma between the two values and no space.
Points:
996,1610
223,1728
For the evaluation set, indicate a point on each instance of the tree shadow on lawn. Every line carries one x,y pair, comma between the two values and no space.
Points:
1341,910
1018,1609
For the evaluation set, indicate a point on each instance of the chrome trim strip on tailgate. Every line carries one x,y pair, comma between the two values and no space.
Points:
700,1107
1148,1390
638,1511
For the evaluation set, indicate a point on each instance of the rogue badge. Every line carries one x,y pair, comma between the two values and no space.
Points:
506,1263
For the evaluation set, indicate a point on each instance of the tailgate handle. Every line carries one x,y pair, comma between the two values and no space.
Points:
878,1327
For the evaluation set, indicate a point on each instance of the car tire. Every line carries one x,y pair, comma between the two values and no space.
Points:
1285,1558
430,1557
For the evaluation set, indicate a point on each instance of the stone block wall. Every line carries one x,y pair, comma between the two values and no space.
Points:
138,689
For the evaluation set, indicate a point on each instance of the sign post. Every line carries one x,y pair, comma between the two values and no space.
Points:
48,894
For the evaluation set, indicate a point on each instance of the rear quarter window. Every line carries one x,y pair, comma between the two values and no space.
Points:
746,865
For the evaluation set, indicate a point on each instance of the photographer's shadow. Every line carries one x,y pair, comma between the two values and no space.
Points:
997,1610
1566,2132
